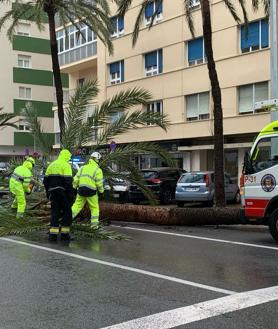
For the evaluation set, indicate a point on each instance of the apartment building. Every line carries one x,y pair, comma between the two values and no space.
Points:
172,66
26,76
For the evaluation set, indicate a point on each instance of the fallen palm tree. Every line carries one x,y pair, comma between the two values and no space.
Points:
170,216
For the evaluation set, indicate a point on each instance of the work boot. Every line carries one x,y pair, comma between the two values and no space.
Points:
52,238
65,237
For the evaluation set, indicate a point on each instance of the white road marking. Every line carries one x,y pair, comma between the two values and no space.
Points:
122,267
201,311
198,237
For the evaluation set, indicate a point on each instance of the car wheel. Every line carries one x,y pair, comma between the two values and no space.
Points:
165,197
180,204
273,225
237,198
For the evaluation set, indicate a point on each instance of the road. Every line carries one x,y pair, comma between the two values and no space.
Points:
163,277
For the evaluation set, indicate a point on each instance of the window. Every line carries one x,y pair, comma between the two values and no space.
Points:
25,93
195,3
118,23
255,37
75,45
23,126
116,72
23,29
116,117
196,52
80,82
265,154
152,8
197,106
155,107
153,63
24,61
250,94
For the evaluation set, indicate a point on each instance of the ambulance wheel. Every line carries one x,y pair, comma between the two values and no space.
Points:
273,225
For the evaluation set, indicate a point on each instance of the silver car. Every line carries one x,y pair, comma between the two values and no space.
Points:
199,187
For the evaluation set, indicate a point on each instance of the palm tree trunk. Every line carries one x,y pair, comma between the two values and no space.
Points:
217,109
56,70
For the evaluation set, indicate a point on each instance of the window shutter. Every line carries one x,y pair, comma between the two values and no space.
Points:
160,61
114,67
192,106
159,7
246,98
264,33
261,91
121,23
149,10
151,59
122,71
203,103
195,49
250,37
114,22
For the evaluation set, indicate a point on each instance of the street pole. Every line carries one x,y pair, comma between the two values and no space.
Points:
274,54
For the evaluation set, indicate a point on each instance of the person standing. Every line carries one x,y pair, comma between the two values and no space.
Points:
19,184
89,182
58,185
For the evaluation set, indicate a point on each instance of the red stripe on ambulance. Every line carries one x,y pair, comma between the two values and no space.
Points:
255,208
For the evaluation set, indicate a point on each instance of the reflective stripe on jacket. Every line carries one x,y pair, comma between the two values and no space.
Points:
23,175
89,176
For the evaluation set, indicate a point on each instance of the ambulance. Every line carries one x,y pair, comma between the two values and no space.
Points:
259,181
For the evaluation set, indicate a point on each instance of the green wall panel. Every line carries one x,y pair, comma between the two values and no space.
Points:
37,77
26,139
44,108
32,45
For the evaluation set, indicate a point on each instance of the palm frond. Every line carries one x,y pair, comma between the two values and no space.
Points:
85,230
32,118
5,120
123,6
9,225
233,10
128,121
188,5
120,102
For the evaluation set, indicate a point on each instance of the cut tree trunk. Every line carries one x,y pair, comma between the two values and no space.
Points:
170,216
217,109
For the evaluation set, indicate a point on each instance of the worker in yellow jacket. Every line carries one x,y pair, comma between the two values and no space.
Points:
20,183
58,185
89,182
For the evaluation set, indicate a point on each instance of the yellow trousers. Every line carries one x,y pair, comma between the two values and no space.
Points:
93,205
19,202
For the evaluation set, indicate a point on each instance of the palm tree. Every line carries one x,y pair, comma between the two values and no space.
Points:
5,120
215,86
102,127
94,14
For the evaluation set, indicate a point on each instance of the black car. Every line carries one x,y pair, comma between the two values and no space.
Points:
161,181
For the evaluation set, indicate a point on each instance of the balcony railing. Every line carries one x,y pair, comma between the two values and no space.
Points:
79,53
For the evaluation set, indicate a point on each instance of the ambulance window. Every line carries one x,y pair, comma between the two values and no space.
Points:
266,154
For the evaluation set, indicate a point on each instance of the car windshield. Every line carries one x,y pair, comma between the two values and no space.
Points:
150,174
192,178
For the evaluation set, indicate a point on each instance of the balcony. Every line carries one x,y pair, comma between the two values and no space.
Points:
76,45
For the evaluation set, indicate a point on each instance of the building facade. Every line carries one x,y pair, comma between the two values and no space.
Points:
169,63
26,76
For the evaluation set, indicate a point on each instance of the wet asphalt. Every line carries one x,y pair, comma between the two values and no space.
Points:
41,289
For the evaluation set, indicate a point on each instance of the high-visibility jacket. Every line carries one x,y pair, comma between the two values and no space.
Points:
89,176
22,176
58,175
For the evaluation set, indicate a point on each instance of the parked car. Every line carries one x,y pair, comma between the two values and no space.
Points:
118,188
161,181
199,187
3,166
